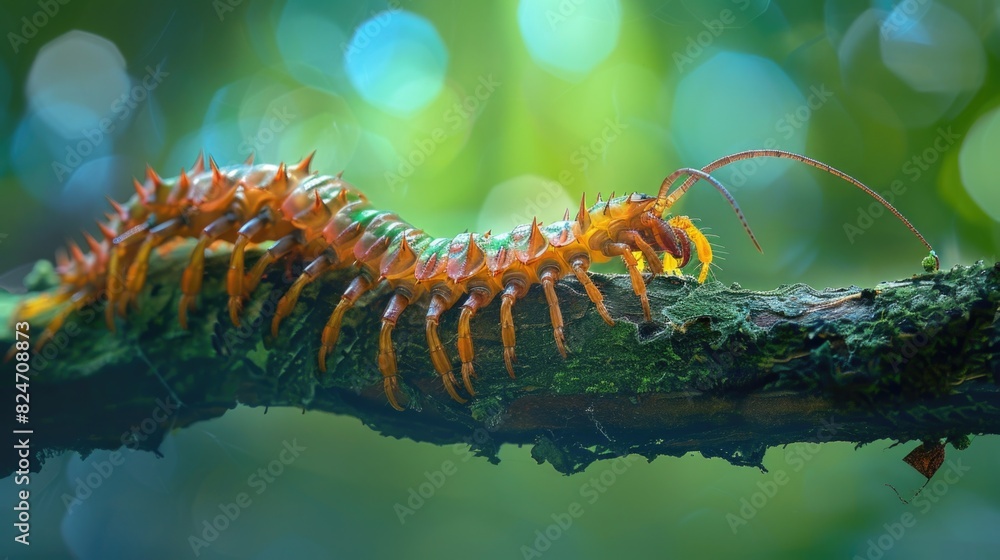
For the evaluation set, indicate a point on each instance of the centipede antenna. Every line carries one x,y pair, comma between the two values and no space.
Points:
663,201
781,154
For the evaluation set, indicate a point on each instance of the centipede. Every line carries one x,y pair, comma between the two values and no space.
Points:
323,223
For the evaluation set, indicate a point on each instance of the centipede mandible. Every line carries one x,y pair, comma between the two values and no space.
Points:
323,222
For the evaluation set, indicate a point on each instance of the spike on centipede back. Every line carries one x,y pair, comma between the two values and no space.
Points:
323,223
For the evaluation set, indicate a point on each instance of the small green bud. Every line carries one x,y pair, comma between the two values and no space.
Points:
930,262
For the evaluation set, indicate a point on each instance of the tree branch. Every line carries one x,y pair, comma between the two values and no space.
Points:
720,370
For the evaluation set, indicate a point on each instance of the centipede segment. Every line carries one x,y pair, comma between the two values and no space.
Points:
325,223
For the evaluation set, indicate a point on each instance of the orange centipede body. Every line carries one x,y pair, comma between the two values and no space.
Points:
326,223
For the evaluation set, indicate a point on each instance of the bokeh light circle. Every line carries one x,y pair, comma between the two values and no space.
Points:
396,61
922,46
929,67
75,81
310,43
67,175
978,163
516,201
570,36
736,102
89,183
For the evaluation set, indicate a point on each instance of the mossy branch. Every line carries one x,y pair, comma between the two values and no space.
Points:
720,370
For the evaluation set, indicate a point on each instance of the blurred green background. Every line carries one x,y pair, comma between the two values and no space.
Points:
479,116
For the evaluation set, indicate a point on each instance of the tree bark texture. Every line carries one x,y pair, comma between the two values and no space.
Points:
720,370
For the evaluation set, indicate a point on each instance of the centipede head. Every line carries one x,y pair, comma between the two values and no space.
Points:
635,221
639,222
657,232
664,201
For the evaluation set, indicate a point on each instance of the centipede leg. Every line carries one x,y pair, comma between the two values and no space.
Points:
235,275
439,358
580,266
77,302
549,277
34,307
638,286
647,251
513,291
466,352
137,271
331,332
195,271
41,303
701,243
386,353
281,248
287,301
114,284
